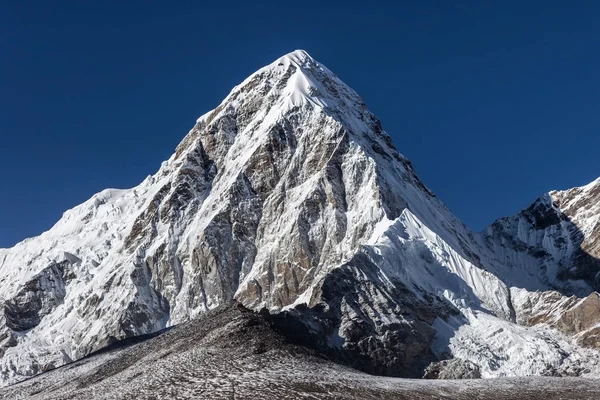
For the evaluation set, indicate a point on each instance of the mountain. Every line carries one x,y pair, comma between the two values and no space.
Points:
289,197
550,256
232,353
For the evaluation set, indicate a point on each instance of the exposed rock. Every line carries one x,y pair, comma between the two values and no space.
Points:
290,196
579,317
454,368
37,297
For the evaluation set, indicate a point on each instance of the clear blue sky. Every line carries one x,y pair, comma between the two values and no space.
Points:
494,104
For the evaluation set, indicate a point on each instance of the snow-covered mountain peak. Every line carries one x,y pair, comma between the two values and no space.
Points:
296,80
298,55
579,202
584,188
556,239
269,191
287,196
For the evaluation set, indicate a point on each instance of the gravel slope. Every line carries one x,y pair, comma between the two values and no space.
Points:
233,353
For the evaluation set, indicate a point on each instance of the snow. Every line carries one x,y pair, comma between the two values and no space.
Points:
373,203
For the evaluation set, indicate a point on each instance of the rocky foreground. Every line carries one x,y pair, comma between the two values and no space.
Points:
234,353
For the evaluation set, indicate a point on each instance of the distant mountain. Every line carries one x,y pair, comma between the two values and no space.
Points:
290,197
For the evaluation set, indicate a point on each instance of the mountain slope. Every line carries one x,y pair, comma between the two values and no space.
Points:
553,248
233,353
288,196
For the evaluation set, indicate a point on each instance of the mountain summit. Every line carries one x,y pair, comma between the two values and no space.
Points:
290,197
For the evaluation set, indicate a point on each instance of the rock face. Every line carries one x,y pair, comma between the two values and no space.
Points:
552,251
554,243
574,316
452,369
289,196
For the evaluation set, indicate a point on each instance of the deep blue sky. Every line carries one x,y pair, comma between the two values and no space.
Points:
494,104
